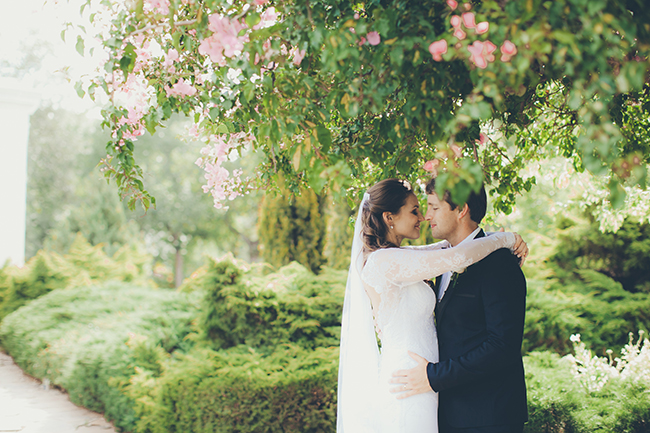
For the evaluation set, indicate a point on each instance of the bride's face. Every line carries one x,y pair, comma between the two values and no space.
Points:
406,223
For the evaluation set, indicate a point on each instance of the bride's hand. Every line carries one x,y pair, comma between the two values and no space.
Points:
413,381
520,249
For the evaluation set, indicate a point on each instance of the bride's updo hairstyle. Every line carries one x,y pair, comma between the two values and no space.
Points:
388,195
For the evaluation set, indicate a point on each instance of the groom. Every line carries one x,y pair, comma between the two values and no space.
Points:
480,323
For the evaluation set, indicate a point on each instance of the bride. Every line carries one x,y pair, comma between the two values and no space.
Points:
388,301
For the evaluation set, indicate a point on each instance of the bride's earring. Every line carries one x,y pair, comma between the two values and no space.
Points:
391,227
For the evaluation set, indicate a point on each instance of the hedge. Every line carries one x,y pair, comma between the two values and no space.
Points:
83,265
243,348
91,340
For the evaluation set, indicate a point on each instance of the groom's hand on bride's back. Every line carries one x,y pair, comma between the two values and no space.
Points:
413,381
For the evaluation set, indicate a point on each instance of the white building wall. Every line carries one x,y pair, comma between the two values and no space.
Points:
17,103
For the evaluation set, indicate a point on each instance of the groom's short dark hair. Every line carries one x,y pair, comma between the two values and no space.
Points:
477,202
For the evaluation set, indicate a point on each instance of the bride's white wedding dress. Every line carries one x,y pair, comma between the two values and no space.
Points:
404,320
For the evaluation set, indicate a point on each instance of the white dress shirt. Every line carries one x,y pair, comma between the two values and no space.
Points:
446,277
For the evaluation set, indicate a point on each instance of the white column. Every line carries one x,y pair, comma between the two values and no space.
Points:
17,103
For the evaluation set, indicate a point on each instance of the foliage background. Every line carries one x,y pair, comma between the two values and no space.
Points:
576,98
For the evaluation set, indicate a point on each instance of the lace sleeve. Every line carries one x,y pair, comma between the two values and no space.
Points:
437,246
400,265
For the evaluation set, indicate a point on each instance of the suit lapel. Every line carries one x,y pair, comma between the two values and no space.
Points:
449,293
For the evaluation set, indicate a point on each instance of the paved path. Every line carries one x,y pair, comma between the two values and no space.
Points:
27,406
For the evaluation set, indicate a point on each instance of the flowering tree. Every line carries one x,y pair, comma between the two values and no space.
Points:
337,94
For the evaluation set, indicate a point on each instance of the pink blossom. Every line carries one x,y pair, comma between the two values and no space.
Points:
469,20
431,166
455,21
142,52
437,49
356,15
467,6
477,56
181,89
488,49
481,53
170,58
157,6
453,4
260,2
193,131
134,132
362,40
458,152
373,38
482,139
269,17
298,55
482,27
459,34
508,49
219,183
225,40
134,96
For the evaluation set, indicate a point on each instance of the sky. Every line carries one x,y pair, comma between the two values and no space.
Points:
30,31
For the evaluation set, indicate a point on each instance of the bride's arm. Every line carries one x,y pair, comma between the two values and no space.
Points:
410,265
436,246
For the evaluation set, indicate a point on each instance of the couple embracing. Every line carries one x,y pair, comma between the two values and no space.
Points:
419,356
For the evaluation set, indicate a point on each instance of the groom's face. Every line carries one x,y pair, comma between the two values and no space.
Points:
443,220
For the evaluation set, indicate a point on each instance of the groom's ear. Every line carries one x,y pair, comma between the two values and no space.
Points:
463,211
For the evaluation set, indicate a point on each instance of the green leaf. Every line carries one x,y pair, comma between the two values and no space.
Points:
616,194
127,62
397,55
150,123
91,91
80,45
316,177
324,137
78,86
167,110
252,19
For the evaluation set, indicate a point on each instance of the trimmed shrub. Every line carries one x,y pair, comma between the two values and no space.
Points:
83,265
586,394
91,340
552,394
293,305
240,390
592,305
623,256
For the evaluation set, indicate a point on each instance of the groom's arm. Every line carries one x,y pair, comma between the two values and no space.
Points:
504,301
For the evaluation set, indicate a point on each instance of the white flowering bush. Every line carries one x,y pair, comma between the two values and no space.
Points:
594,372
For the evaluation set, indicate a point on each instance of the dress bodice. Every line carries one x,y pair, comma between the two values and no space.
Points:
397,275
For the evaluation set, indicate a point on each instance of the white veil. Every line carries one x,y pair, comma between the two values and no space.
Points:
359,357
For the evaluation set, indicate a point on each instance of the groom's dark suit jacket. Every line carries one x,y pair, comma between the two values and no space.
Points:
480,323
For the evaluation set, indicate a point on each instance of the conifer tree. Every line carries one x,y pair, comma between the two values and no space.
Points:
292,228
